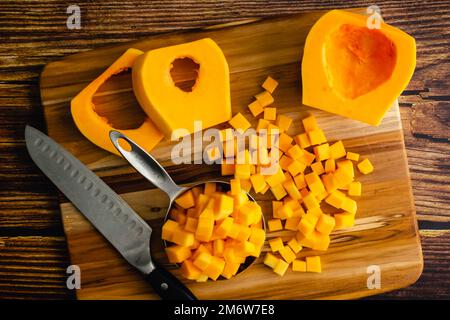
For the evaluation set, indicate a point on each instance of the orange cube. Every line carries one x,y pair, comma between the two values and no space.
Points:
284,142
186,200
256,108
287,254
223,207
239,122
294,245
283,122
230,269
203,260
292,223
270,114
365,166
276,178
264,98
278,191
285,212
226,169
300,181
322,152
318,168
337,150
215,268
316,137
270,260
295,152
336,199
310,201
344,220
224,227
314,183
276,244
189,270
274,225
249,213
310,123
270,84
349,205
313,264
291,189
262,124
177,254
258,182
330,165
205,228
354,189
168,229
242,171
302,140
299,265
325,224
235,187
191,224
307,224
281,267
353,156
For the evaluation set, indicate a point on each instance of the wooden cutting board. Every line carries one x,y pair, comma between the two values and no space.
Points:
385,233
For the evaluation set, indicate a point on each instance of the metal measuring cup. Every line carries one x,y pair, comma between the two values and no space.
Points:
147,166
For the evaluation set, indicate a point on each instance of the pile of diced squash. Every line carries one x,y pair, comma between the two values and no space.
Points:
310,171
212,231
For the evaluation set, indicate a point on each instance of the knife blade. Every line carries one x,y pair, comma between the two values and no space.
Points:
105,209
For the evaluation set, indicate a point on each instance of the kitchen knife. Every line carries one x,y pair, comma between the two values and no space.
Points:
105,209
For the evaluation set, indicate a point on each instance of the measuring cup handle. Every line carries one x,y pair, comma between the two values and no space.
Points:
145,164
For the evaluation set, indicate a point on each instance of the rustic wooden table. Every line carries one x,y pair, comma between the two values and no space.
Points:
33,254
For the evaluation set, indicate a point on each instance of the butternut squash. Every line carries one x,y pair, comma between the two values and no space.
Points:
351,70
96,128
169,106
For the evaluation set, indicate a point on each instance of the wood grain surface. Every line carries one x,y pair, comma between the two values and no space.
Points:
33,254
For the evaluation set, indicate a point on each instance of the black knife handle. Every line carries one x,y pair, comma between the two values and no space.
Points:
168,286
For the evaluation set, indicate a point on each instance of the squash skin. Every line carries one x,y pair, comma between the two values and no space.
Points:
172,108
368,106
96,128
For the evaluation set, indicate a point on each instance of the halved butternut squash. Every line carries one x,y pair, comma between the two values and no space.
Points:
351,70
173,108
96,128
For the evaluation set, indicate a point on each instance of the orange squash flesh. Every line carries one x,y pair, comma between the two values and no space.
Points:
96,128
351,70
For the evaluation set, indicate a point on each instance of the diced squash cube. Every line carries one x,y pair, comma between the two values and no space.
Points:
307,158
257,236
330,182
316,137
299,212
354,189
270,260
313,264
281,267
276,179
285,212
181,218
296,167
258,182
246,185
183,238
224,227
342,177
278,191
310,240
186,200
242,171
294,245
302,140
283,122
314,183
336,199
177,254
330,165
337,150
287,254
205,228
365,166
291,189
270,114
310,123
244,248
235,187
347,166
226,169
322,242
276,205
189,271
168,229
191,224
353,156
262,124
292,223
344,220
276,244
310,201
285,161
256,108
284,142
349,205
325,224
270,84
318,168
223,207
201,248
322,152
239,122
218,247
203,260
274,225
202,278
249,213
307,224
316,212
265,98
299,265
230,269
300,181
295,152
210,188
215,268
244,233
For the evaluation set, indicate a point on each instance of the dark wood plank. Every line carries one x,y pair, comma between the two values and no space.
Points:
34,34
